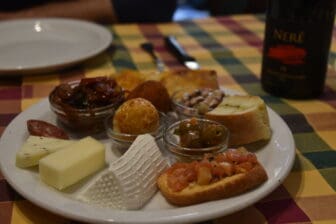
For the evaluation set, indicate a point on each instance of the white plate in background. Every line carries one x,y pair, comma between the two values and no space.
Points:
31,46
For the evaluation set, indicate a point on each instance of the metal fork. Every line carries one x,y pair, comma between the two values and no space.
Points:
149,48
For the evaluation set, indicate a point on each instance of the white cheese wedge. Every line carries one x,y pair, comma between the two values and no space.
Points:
73,163
36,147
130,181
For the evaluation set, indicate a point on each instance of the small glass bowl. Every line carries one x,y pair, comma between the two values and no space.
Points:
122,141
82,121
179,153
184,111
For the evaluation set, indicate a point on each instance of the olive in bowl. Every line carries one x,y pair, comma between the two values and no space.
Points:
197,102
191,138
82,106
134,117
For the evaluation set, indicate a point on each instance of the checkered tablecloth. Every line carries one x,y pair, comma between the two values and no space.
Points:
232,46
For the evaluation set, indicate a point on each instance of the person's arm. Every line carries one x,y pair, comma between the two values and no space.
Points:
93,10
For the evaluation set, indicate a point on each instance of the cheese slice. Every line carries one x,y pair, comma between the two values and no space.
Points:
36,147
73,163
130,181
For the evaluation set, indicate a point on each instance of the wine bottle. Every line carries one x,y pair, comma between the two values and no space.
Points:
296,47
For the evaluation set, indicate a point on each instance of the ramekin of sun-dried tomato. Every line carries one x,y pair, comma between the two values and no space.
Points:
83,105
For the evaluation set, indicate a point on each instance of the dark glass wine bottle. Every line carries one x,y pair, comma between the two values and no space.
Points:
296,47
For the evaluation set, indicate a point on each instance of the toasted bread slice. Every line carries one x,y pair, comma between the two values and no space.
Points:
188,80
129,79
226,187
246,118
185,80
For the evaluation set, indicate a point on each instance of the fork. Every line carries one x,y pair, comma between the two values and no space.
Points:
149,48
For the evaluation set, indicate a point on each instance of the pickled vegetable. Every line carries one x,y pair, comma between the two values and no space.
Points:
196,134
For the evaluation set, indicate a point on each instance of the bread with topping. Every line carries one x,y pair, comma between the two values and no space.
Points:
242,179
245,116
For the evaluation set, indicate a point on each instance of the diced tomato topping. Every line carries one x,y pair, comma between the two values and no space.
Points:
251,158
203,163
243,167
204,175
180,175
218,170
221,158
228,168
210,168
234,156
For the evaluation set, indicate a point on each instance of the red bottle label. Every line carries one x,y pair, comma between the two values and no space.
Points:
287,54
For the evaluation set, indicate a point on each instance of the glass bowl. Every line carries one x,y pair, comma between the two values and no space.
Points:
180,153
122,141
82,121
184,111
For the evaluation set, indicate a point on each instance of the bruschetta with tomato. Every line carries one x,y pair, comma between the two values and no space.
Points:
230,173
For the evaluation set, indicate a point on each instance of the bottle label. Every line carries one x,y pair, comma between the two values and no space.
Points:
295,50
296,47
289,51
287,54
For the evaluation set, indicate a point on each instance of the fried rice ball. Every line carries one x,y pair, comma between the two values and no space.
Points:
136,116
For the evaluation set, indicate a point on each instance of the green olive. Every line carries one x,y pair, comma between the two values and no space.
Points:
195,134
186,126
191,140
212,135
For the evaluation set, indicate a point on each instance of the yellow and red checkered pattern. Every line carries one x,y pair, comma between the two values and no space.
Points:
232,46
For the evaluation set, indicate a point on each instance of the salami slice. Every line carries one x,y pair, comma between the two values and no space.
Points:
45,129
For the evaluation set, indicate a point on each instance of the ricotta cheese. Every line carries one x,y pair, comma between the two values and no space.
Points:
130,181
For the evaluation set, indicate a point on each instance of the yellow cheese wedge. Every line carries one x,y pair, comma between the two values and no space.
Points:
36,147
73,163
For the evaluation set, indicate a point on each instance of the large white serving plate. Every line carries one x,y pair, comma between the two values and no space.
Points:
277,157
44,45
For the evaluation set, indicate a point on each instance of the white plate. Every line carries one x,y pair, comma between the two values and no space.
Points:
44,45
277,157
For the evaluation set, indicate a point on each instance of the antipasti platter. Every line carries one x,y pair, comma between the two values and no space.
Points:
139,177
